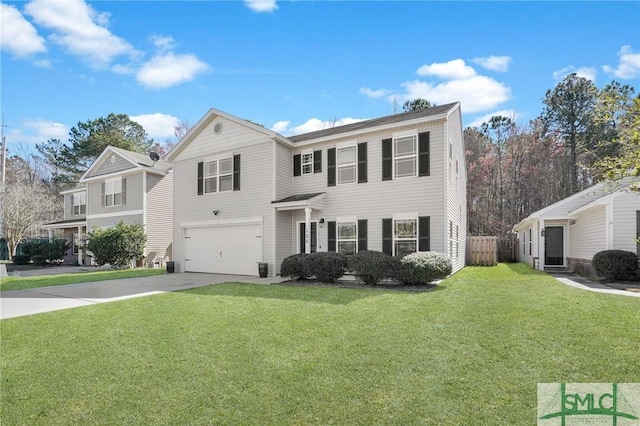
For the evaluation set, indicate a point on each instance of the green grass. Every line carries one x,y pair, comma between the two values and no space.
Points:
18,283
470,352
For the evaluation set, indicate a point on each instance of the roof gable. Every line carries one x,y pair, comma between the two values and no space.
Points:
115,160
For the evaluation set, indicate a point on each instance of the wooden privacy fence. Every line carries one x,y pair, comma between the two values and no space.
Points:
488,251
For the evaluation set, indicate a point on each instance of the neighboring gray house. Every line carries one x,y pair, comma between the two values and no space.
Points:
121,186
244,194
569,233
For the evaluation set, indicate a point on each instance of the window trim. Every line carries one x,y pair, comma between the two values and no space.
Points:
413,156
310,163
81,210
395,239
109,185
339,240
353,164
217,175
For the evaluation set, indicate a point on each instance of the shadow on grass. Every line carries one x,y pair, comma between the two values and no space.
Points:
334,295
521,268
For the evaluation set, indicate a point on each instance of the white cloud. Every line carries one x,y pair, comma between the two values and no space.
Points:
280,126
163,43
584,72
42,63
17,34
80,29
261,5
157,125
166,70
628,64
378,93
38,130
311,125
476,94
494,63
509,113
452,70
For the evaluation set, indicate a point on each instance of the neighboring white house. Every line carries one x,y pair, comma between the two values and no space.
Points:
244,194
120,186
569,233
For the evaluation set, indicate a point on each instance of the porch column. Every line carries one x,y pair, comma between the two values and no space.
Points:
541,251
307,230
78,240
50,234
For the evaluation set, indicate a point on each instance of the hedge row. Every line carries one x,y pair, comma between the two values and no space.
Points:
369,266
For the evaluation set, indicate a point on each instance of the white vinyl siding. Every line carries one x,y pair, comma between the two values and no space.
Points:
159,218
624,221
380,199
107,222
254,200
456,189
107,166
588,235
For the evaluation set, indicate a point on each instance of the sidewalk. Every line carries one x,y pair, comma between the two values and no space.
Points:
19,303
582,283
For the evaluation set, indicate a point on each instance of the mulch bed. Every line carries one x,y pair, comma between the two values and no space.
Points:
359,284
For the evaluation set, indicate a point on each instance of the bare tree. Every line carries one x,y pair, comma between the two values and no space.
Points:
181,129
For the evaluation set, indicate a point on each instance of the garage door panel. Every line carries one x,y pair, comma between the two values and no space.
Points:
232,249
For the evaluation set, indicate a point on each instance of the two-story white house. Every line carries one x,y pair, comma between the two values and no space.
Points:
244,194
120,186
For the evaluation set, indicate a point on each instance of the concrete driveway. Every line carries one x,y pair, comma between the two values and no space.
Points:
19,303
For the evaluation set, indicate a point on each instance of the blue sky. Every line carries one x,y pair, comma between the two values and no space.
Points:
293,66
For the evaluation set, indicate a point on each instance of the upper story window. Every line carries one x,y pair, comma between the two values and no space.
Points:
113,192
219,175
79,203
405,156
308,162
346,164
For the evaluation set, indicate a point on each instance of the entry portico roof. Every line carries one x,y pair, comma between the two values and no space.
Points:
68,223
294,202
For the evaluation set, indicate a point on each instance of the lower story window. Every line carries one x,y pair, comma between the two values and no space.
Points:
405,236
347,238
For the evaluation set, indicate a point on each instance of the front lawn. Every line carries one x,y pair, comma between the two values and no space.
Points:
469,352
24,283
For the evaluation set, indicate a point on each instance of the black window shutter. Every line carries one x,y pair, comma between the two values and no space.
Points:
424,233
200,178
387,160
387,236
102,196
236,172
423,154
331,167
362,235
72,206
297,165
317,161
124,191
331,236
362,162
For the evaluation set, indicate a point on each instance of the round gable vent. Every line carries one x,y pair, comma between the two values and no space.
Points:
113,159
217,128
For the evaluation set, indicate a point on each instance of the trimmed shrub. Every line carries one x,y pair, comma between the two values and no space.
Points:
371,266
52,251
615,264
327,267
117,246
21,259
39,260
293,266
423,267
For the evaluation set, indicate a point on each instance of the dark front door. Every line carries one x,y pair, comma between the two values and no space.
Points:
553,246
314,237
